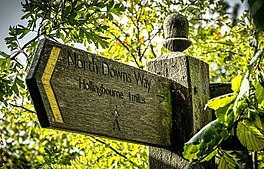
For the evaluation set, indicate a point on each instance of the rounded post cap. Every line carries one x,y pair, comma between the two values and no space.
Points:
176,30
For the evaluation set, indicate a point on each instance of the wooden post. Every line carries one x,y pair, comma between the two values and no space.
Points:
190,93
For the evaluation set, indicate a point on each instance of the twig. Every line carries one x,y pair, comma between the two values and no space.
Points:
23,47
143,53
36,37
134,57
150,44
140,54
22,107
140,12
117,152
137,36
122,32
219,42
151,38
226,51
18,63
152,50
136,24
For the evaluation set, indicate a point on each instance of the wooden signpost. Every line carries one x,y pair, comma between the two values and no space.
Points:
79,91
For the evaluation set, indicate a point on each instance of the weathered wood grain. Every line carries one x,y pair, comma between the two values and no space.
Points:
218,89
99,96
189,96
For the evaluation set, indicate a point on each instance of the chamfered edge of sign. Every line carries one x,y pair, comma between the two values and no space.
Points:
33,87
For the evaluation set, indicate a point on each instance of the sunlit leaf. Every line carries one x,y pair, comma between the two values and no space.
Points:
236,83
210,156
257,119
20,82
225,115
259,93
221,101
243,92
250,136
244,88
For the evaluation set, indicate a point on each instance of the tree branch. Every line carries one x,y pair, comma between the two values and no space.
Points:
225,51
117,152
143,53
152,50
36,37
127,48
137,37
22,107
150,39
23,47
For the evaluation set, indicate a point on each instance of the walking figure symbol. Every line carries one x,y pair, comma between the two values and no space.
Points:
116,124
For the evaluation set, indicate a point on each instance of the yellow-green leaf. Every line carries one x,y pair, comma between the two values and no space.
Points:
243,92
236,83
258,121
221,101
226,161
250,136
205,142
259,93
244,88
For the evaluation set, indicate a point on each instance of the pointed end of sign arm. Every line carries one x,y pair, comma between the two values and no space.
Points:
31,82
39,81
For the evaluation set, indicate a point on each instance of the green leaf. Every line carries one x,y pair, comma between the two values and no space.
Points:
250,136
81,34
236,83
210,156
257,12
225,114
226,161
24,33
26,15
243,92
2,61
20,82
205,141
221,101
244,88
259,93
4,54
257,120
15,89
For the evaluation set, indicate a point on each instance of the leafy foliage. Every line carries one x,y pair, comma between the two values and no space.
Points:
227,161
250,136
257,11
205,142
239,114
23,143
241,111
131,32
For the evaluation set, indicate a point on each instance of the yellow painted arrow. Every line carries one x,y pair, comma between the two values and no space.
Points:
46,77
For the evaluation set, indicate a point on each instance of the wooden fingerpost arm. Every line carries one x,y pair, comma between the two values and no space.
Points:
190,92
